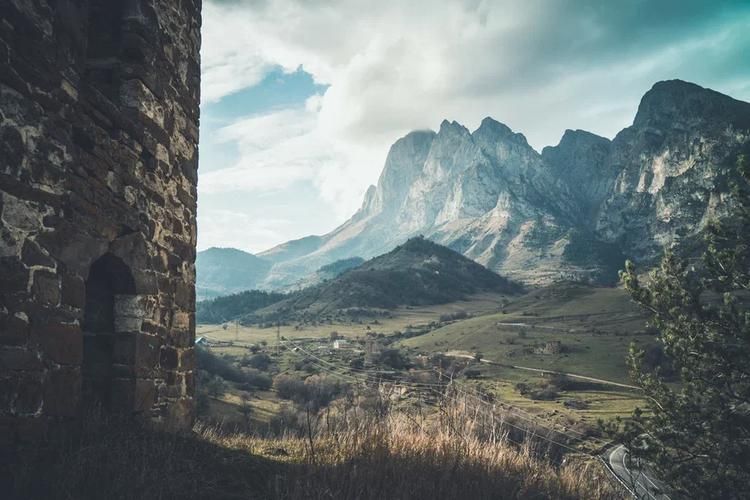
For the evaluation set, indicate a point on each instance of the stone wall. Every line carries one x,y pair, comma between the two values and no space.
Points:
98,171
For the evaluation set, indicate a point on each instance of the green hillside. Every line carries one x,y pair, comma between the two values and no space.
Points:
222,309
564,327
419,272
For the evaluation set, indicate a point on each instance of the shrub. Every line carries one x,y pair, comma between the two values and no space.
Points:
394,358
256,379
289,387
258,361
216,365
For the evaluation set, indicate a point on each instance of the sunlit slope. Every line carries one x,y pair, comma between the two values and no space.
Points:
566,327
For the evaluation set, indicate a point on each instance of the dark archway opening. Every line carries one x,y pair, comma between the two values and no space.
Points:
109,278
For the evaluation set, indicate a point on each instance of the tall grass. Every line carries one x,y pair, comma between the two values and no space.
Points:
353,455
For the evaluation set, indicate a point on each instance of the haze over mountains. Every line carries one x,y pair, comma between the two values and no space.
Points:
575,210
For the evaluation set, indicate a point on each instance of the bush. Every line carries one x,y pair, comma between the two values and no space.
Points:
216,365
256,379
315,392
453,316
289,387
394,358
258,361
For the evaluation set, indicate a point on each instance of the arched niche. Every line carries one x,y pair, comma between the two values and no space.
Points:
109,320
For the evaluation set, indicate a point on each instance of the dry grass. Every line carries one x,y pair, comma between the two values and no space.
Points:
352,456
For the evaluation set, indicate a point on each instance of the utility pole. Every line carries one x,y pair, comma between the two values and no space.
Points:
278,336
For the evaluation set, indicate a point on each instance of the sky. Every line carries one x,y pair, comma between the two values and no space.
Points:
301,99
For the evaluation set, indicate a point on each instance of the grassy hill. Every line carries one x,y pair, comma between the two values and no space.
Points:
226,308
419,272
565,327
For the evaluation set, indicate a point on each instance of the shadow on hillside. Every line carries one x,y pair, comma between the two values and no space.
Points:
120,460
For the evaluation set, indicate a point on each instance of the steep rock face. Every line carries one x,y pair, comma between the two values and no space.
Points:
576,210
674,164
580,161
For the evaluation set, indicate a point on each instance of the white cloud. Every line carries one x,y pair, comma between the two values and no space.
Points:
227,228
394,66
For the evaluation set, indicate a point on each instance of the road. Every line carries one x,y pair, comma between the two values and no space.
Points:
541,370
639,481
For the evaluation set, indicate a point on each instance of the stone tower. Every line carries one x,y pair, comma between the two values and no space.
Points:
98,171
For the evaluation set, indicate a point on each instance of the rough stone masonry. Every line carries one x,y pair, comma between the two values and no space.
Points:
98,171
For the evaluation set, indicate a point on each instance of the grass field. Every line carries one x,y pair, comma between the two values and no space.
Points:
594,328
401,319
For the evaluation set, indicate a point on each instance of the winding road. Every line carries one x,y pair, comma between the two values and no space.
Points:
638,480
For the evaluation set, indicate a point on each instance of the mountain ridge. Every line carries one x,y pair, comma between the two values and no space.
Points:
567,212
417,272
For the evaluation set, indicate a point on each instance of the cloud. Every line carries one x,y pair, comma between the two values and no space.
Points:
393,66
228,228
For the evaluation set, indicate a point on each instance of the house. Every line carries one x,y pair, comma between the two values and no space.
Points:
342,344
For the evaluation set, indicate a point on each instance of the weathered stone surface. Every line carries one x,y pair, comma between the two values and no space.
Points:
14,328
73,291
19,359
62,343
46,288
98,151
32,255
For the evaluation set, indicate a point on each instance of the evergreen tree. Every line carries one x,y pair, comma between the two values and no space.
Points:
696,432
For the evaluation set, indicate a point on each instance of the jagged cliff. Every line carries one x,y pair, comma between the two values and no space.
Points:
578,209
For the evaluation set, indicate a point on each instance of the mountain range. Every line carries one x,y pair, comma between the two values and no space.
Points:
576,210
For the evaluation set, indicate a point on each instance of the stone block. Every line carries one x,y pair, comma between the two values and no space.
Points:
130,306
32,255
148,353
169,358
15,275
14,329
46,287
186,358
18,358
184,296
127,324
62,343
145,394
180,414
73,291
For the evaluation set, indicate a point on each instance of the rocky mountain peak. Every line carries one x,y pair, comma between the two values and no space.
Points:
680,104
493,130
574,211
452,128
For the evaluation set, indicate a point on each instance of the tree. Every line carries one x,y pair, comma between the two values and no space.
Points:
697,433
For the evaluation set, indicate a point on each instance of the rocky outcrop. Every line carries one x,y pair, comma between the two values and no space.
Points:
673,167
576,210
98,171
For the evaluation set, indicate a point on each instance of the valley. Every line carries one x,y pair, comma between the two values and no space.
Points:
567,327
